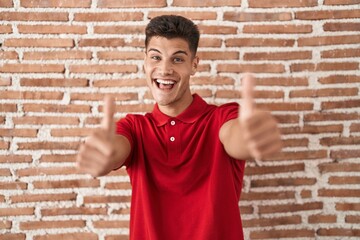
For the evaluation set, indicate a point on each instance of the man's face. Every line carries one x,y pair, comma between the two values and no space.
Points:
168,66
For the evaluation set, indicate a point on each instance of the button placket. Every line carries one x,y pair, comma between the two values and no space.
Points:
173,138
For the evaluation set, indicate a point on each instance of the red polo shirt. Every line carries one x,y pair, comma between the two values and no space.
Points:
184,185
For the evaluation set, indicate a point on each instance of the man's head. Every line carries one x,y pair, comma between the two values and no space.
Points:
171,26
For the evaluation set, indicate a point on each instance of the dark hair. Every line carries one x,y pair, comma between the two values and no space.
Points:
172,26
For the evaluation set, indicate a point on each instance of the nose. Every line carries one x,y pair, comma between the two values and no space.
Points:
166,68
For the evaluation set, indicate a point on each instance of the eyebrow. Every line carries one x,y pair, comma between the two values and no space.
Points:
177,52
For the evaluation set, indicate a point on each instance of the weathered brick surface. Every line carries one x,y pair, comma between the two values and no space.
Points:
59,58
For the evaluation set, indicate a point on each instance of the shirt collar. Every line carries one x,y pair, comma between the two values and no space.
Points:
189,115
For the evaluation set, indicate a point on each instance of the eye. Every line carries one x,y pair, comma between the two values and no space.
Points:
156,58
178,60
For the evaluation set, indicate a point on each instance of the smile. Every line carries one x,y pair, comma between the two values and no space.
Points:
165,84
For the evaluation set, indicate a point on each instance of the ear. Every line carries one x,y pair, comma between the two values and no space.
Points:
195,63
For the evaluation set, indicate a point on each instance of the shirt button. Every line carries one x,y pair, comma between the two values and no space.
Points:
172,139
172,123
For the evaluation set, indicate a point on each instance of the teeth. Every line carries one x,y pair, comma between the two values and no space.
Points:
164,81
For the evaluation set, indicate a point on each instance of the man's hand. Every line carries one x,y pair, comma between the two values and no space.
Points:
103,151
259,128
255,133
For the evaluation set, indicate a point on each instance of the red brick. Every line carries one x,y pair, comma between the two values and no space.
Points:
210,42
340,104
355,127
254,68
55,4
271,182
327,14
120,83
257,16
54,82
5,172
331,141
5,225
352,219
39,42
330,117
281,3
282,81
131,4
106,199
259,42
103,68
301,142
31,95
8,107
300,155
283,233
288,208
325,66
32,68
341,53
328,40
218,55
48,145
134,29
13,236
34,225
69,108
57,158
118,185
341,2
12,132
73,211
102,42
313,129
46,171
6,3
320,218
344,154
271,222
344,232
340,193
284,106
25,198
34,16
206,3
108,16
5,28
4,145
277,29
334,180
117,237
338,27
52,29
46,120
105,224
199,15
120,55
306,194
216,80
132,108
15,159
326,92
72,132
10,55
254,196
5,81
339,79
277,55
68,236
347,207
18,211
258,94
83,183
339,167
211,29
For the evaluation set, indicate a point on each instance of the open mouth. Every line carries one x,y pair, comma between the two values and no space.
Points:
165,84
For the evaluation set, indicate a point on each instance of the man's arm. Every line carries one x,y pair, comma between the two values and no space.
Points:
103,151
254,134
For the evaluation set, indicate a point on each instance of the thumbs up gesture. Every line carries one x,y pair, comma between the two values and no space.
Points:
103,151
259,128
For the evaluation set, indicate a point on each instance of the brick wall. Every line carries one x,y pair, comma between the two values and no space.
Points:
59,57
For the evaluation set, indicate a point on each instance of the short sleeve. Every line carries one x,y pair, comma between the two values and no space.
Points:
125,128
227,112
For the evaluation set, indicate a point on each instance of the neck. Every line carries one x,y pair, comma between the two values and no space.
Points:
175,109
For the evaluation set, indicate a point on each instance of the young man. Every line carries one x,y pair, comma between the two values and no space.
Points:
186,158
